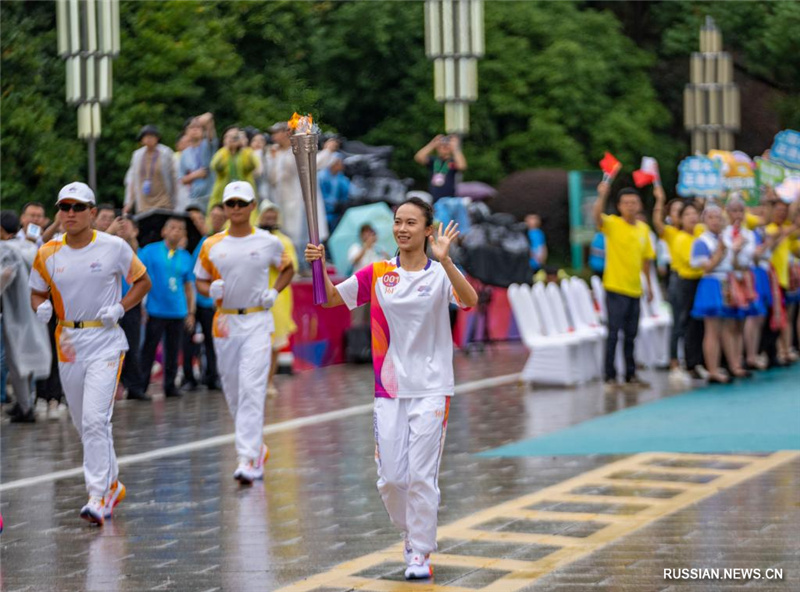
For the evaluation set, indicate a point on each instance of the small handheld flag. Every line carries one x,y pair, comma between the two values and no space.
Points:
610,167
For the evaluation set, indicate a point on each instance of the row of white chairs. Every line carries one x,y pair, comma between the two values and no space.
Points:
566,336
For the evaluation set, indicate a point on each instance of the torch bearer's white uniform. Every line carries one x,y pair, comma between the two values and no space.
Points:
412,351
283,176
83,283
242,328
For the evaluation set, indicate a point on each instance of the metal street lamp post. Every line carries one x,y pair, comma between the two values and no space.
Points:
88,40
711,105
454,41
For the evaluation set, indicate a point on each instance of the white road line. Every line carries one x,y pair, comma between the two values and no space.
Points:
275,428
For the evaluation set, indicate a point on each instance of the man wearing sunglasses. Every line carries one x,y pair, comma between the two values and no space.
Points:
80,276
233,270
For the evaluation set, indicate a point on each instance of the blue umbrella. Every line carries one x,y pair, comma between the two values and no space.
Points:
347,233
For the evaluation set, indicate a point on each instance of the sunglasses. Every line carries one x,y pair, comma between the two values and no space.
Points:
236,203
75,207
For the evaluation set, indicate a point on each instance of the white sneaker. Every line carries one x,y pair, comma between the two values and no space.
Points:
679,377
243,462
114,496
94,510
419,568
702,372
41,409
249,471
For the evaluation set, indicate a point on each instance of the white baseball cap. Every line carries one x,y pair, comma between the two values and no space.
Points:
238,190
78,191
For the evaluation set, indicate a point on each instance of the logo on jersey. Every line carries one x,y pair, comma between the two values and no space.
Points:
424,291
253,254
95,267
390,281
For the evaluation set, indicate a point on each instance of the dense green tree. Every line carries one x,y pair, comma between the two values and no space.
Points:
560,83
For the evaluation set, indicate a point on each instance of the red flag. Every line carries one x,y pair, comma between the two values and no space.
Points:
610,165
641,178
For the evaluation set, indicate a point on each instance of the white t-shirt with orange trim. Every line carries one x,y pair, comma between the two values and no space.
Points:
412,344
243,263
81,283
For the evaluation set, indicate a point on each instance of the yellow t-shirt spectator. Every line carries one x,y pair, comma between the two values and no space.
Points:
627,247
680,252
751,221
780,254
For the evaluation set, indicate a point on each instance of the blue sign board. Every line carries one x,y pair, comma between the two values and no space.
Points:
699,176
786,149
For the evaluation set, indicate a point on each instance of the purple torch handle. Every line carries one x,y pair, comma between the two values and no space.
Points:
318,283
304,147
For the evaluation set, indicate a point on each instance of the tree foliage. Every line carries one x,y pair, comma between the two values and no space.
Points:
561,82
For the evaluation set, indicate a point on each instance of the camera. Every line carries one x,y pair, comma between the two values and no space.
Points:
33,232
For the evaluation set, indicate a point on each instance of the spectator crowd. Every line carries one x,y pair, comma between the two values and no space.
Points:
170,333
731,272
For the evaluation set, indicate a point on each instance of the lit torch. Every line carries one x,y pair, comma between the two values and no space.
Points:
304,147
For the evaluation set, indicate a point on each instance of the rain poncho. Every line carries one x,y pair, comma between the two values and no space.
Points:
289,197
27,343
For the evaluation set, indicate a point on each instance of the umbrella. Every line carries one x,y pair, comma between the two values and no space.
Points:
475,190
151,222
347,233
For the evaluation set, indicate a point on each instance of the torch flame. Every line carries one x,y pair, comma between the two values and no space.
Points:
302,124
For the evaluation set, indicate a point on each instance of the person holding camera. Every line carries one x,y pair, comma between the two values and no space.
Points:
235,161
443,167
32,220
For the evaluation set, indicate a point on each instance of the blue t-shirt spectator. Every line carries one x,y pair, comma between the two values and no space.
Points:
335,189
202,301
169,270
597,253
537,242
199,157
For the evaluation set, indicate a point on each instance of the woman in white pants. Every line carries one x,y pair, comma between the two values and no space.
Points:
82,274
412,352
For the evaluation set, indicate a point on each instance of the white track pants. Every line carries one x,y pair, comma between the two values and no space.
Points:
243,363
409,439
90,388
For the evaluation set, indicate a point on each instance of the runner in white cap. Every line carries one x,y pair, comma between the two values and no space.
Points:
82,274
233,269
412,351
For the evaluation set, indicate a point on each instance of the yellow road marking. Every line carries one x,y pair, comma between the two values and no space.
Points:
677,486
688,471
521,574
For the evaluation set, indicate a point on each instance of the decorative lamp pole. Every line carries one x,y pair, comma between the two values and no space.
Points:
88,40
711,107
454,41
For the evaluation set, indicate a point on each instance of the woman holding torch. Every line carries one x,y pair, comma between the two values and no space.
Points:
412,350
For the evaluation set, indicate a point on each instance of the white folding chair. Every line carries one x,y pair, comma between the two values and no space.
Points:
584,321
589,340
599,293
552,359
574,362
655,324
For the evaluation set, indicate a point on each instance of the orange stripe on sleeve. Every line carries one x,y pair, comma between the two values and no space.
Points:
40,265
